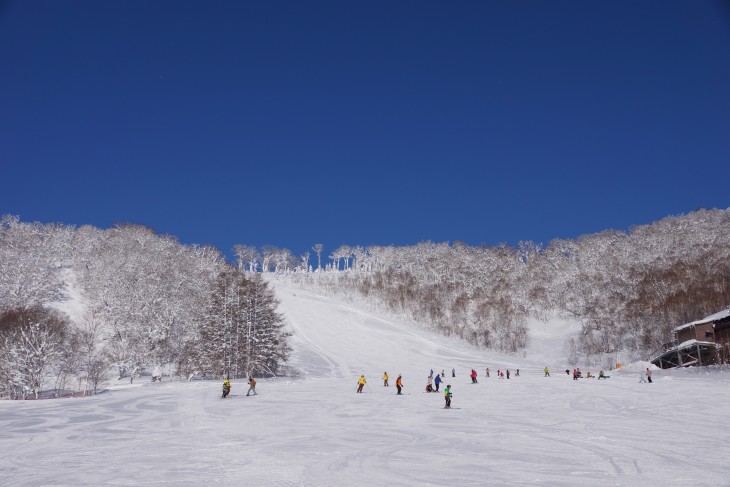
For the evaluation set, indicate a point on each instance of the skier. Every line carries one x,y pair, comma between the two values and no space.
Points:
436,382
642,378
399,383
431,374
575,374
473,376
251,386
361,383
508,373
487,371
385,379
226,387
601,375
648,375
517,374
429,384
443,374
547,373
447,396
453,372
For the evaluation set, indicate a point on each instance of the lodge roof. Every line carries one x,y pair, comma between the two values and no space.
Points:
716,317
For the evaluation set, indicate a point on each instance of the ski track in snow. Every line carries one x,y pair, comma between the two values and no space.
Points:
528,430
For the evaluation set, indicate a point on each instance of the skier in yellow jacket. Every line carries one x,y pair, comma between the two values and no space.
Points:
385,379
361,383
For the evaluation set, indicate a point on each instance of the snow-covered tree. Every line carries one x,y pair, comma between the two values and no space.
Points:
318,250
31,344
242,333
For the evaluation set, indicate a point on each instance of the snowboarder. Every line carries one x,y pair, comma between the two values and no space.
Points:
508,373
385,379
473,376
399,383
648,374
487,371
251,386
361,383
601,375
429,384
453,372
447,396
226,387
436,382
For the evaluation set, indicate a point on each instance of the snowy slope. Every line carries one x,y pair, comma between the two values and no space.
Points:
529,430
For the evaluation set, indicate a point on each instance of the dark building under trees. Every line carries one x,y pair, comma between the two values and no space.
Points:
698,343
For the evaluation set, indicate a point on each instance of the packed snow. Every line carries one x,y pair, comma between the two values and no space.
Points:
314,430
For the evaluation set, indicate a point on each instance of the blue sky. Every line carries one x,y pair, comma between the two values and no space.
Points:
293,123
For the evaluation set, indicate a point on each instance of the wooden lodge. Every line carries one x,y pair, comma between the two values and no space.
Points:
702,342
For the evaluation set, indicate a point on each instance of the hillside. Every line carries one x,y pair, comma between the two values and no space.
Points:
316,431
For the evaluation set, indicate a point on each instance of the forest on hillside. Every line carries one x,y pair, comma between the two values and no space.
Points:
627,289
147,303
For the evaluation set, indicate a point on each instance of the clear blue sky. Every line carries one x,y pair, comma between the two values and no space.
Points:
292,123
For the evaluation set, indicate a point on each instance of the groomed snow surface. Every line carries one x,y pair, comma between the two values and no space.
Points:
316,431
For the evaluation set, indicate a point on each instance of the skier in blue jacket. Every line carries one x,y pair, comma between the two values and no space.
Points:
437,381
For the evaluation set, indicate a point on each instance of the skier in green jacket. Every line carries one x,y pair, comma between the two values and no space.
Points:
447,396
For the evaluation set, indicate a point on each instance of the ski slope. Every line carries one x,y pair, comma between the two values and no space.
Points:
316,431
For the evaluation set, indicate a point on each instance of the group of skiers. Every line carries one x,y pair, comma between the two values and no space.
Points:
398,383
362,381
577,374
251,387
432,383
437,382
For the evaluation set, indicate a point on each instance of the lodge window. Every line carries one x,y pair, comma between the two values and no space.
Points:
708,335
